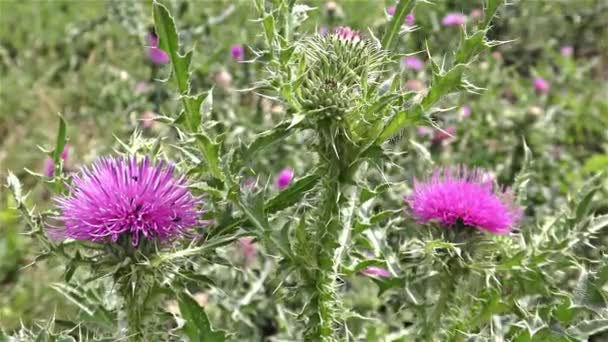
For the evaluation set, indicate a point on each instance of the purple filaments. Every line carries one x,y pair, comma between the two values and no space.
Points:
121,197
454,196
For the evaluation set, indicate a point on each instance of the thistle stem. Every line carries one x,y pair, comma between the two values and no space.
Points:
324,305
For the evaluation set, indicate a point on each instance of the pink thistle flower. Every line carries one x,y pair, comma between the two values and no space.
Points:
121,197
542,85
409,19
142,87
248,249
446,134
423,130
147,119
49,163
156,55
566,50
348,34
465,111
416,85
454,19
323,31
414,63
284,178
375,271
237,51
458,196
476,13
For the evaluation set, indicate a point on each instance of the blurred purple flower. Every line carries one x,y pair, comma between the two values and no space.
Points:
323,31
237,51
49,163
542,85
458,196
248,249
446,134
465,111
156,55
142,87
423,130
566,50
454,19
414,63
476,13
121,197
284,178
147,119
376,271
409,19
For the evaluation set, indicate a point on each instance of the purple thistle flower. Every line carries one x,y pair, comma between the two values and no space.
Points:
284,178
542,85
237,51
156,55
346,33
446,134
118,197
49,163
454,19
453,196
376,271
248,249
566,50
409,19
414,63
465,111
323,31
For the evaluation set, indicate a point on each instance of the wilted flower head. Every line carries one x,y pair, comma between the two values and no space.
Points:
237,51
156,55
454,196
542,85
284,178
121,197
566,50
376,271
49,163
413,62
454,19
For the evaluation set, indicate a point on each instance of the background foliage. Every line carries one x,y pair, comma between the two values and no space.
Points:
87,61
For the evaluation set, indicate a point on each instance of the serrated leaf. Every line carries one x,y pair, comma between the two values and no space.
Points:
293,193
197,327
210,150
401,10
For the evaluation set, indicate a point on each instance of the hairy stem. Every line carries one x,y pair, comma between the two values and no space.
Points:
325,238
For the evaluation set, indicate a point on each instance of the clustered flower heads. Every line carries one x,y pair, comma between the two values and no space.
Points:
121,197
457,196
156,55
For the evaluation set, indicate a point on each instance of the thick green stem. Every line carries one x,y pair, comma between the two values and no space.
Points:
324,306
448,286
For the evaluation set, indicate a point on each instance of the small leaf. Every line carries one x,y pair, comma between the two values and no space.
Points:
60,142
210,150
292,194
197,326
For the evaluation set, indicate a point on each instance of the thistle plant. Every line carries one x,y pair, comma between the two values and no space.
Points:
327,220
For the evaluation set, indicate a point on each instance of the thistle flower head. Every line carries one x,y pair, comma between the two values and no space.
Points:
338,66
156,55
414,63
566,50
237,51
376,271
454,196
542,85
121,197
454,19
284,178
